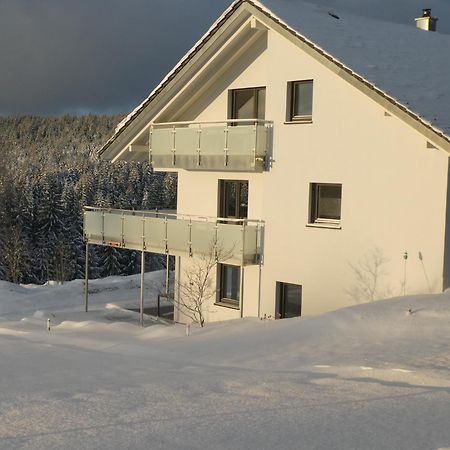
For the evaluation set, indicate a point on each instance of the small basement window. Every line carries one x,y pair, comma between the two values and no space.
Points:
325,205
299,101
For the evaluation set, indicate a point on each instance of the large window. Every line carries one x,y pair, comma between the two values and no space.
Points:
325,203
249,103
300,101
229,284
233,199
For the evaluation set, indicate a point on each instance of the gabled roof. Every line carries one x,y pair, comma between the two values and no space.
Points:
404,66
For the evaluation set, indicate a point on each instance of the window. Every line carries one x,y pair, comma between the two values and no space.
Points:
325,203
248,103
300,100
233,199
230,284
289,300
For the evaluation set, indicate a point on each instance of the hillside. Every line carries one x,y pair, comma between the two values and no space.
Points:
373,376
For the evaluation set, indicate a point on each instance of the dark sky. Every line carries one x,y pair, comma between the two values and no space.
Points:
105,56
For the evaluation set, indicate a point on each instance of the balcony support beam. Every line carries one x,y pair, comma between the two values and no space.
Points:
86,278
142,287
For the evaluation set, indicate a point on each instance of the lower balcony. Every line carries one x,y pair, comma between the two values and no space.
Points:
234,241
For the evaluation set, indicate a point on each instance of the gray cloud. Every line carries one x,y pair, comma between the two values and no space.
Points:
92,55
102,56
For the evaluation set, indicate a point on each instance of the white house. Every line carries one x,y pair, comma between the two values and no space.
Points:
312,153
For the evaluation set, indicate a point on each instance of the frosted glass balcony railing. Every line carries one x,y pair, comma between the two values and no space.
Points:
231,240
235,145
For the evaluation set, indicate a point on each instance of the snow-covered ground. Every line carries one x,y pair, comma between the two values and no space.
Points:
372,376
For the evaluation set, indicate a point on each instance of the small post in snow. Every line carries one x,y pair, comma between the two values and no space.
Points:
48,324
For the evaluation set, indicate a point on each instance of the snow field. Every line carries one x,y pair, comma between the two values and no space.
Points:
372,376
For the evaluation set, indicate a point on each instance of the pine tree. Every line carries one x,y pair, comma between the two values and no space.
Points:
14,250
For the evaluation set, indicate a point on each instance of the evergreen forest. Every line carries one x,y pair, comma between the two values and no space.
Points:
49,170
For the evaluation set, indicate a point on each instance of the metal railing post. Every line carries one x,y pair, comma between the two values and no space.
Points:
103,226
258,243
122,234
166,233
199,144
150,137
174,132
167,274
190,237
225,149
216,238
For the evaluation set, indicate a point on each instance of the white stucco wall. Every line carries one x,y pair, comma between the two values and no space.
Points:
393,187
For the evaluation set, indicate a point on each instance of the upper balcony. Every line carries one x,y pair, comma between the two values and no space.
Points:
234,241
231,145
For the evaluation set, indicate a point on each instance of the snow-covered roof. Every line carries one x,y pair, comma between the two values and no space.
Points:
410,66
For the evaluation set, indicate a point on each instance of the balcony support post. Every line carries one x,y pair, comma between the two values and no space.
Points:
241,292
142,287
86,278
242,251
